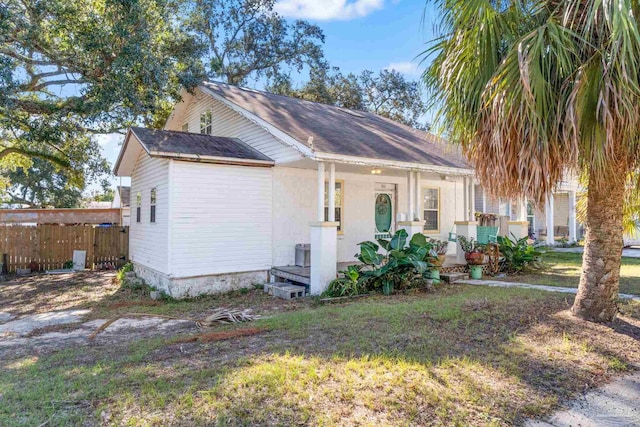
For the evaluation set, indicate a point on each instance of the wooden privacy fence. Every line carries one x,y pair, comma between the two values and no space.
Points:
50,246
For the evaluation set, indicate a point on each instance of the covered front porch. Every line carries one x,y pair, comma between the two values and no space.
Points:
355,202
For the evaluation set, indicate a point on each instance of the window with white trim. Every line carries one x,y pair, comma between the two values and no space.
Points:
152,210
138,205
206,123
339,200
185,127
431,209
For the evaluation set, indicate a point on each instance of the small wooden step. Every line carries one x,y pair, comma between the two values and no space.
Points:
453,277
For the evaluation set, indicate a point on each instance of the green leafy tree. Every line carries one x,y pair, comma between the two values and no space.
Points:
387,93
390,95
246,38
71,69
534,90
43,184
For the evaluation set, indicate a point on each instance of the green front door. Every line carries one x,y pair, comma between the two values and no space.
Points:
383,214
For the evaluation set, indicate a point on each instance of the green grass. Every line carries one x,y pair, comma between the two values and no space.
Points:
564,270
460,356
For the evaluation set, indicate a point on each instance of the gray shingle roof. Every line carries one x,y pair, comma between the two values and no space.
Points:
340,131
175,142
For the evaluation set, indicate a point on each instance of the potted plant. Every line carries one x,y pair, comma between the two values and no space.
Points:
438,254
473,254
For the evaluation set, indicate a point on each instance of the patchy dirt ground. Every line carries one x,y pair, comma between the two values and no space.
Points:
41,293
459,356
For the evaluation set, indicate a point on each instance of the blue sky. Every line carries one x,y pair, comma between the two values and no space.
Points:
359,35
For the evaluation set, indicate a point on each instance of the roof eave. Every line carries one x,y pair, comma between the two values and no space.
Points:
212,159
393,164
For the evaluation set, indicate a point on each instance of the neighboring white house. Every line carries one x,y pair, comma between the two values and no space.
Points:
122,201
238,177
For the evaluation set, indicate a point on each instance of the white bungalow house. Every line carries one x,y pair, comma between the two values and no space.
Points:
221,197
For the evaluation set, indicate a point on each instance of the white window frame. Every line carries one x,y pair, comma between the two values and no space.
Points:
340,205
185,127
206,123
153,201
425,210
139,206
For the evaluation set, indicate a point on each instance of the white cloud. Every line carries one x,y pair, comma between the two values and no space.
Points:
408,68
327,10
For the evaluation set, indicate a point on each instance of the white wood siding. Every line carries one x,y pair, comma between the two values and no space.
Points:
149,241
227,122
221,219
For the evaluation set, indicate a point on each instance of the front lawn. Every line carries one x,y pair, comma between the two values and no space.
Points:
463,355
564,269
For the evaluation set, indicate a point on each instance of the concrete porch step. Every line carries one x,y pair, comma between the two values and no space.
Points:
453,277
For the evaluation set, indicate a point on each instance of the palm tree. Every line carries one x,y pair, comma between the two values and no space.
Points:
535,90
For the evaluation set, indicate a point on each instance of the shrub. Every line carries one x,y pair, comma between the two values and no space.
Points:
401,267
349,285
125,268
518,255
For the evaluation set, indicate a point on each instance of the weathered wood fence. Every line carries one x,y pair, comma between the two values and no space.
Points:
50,246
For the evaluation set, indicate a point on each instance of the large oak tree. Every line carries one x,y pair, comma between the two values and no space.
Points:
72,69
248,39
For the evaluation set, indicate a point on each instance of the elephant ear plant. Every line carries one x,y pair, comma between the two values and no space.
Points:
402,266
518,255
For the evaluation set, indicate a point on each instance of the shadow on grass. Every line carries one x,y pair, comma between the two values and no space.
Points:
462,356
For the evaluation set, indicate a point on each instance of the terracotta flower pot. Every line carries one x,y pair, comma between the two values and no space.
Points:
474,258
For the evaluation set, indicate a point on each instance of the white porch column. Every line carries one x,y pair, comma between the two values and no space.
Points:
472,200
522,210
324,255
548,209
520,228
320,191
465,198
467,229
324,238
418,198
410,195
332,192
412,225
573,231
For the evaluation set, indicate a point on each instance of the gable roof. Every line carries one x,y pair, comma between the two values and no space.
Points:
169,143
330,129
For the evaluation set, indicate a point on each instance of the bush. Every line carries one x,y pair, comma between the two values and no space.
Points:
401,267
518,255
349,285
125,268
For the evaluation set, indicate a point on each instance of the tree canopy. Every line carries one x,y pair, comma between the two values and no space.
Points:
387,93
537,90
246,38
72,69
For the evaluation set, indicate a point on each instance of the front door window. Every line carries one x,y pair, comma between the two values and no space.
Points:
383,215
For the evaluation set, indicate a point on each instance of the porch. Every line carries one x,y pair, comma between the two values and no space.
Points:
302,275
360,202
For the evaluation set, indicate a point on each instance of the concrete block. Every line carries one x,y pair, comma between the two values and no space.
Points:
130,274
287,291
